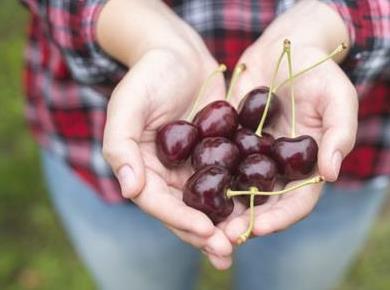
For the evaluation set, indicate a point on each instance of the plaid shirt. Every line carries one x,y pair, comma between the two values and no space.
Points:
68,78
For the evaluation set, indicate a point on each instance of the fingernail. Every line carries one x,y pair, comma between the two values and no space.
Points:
126,179
336,162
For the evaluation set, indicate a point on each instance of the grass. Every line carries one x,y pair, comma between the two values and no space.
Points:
34,251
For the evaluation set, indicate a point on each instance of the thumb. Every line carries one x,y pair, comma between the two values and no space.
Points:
123,129
340,125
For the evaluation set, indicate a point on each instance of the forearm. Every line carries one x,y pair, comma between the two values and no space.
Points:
312,23
126,29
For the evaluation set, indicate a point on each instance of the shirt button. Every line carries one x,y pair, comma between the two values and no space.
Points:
361,55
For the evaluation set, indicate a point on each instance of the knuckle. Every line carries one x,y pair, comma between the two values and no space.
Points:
304,215
110,101
109,153
106,153
352,95
348,141
128,195
352,91
299,212
282,228
351,143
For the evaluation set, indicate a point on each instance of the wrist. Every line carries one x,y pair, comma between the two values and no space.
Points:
150,25
310,23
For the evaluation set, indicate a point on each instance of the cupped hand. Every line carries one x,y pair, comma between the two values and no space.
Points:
161,87
326,109
168,62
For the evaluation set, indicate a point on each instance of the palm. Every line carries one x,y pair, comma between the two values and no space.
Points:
309,100
171,93
314,99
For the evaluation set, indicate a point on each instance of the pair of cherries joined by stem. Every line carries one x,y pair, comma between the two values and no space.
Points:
208,140
231,155
176,140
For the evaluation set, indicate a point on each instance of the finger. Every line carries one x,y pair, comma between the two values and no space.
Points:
239,224
217,244
190,238
339,123
220,263
125,122
290,209
158,200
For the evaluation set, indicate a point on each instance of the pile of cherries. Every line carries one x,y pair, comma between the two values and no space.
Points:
229,152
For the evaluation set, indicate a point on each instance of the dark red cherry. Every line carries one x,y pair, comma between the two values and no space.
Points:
216,151
252,106
175,142
217,119
296,157
205,191
249,143
256,170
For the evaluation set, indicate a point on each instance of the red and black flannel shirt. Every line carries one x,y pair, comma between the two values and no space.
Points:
68,78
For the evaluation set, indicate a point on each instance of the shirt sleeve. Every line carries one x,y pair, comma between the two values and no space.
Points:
71,25
369,31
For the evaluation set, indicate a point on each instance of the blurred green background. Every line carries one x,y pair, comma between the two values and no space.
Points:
34,251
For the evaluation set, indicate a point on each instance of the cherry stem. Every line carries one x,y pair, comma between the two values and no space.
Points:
338,50
245,235
220,69
317,179
287,48
236,74
269,96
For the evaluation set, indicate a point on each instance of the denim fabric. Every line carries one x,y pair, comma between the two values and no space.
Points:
126,249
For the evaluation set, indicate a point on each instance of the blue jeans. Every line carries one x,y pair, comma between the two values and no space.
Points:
126,249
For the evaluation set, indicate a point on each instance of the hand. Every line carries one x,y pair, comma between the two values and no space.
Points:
160,87
326,109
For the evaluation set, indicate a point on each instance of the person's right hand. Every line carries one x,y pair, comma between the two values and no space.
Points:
160,87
